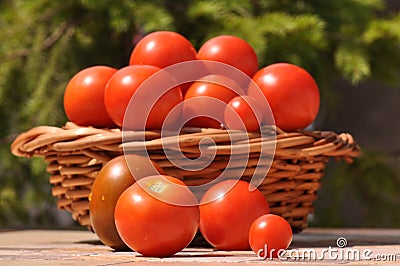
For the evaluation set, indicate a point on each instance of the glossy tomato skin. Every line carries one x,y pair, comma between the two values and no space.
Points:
243,113
115,176
150,225
269,234
226,217
162,49
84,97
292,94
230,50
201,96
123,85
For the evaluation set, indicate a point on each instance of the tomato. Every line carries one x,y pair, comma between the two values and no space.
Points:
162,49
149,222
208,96
112,180
269,234
84,97
292,94
243,113
230,50
227,210
125,83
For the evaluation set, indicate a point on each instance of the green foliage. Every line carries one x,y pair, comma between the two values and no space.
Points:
44,43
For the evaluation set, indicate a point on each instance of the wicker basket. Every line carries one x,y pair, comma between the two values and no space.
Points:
76,154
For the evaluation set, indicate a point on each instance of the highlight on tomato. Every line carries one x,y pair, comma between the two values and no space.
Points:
227,210
149,223
84,97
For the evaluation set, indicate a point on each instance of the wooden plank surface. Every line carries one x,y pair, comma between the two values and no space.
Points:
312,246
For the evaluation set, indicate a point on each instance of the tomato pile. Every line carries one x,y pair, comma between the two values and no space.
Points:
142,209
100,95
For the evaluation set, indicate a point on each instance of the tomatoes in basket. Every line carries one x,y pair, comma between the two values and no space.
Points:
227,211
243,113
269,235
205,101
292,94
230,50
162,49
157,216
84,97
125,83
115,176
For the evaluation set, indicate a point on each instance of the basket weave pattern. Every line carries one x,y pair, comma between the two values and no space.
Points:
76,154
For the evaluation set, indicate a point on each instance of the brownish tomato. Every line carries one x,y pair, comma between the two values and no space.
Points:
205,101
292,94
162,49
230,50
157,216
115,176
227,211
84,97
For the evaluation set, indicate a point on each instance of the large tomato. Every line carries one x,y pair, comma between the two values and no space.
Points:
115,176
292,94
230,50
123,85
162,49
270,234
84,97
148,220
227,211
201,100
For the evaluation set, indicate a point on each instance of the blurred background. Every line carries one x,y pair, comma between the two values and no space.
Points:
351,47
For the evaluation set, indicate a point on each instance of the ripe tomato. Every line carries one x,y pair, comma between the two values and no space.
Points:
123,85
227,210
292,94
243,113
269,234
201,100
162,49
149,223
112,180
84,97
230,50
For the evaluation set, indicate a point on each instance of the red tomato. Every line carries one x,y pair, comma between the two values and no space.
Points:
201,100
123,85
84,97
292,94
227,210
115,176
162,49
230,50
149,224
243,113
269,234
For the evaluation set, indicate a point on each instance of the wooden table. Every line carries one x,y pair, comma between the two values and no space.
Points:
312,246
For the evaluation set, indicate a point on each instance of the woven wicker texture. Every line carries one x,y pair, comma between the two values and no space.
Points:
76,154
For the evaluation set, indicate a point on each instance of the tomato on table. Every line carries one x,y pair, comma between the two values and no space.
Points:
115,176
292,94
227,210
157,216
84,97
270,234
230,50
